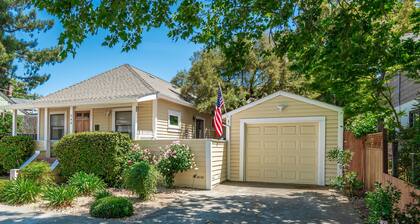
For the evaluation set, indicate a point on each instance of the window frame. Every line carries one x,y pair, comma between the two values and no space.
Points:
114,117
64,113
412,116
176,114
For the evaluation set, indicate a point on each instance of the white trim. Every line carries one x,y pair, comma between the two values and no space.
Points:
147,98
65,120
184,103
91,120
286,94
154,118
340,138
208,164
38,125
177,114
228,126
46,134
321,141
134,125
14,122
204,125
71,119
113,115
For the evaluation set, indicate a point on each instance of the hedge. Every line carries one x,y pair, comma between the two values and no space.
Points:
14,150
99,153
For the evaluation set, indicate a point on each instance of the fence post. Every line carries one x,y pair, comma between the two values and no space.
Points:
385,150
395,158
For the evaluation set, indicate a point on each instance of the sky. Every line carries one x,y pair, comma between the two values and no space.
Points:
157,54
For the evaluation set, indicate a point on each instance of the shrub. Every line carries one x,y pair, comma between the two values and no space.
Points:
137,154
381,203
409,153
142,179
112,207
39,172
348,182
20,191
99,153
60,196
175,158
102,194
86,184
14,150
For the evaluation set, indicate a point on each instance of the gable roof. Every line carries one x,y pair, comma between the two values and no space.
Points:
285,94
122,84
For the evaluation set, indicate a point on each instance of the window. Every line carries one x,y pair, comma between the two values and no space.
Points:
174,119
413,117
56,126
123,122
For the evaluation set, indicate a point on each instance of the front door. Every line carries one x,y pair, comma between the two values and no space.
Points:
199,128
82,121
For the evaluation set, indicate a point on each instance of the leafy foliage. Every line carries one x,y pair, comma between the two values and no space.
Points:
111,207
138,154
39,172
411,213
102,194
86,184
99,153
20,191
14,150
60,196
382,203
142,179
6,123
19,26
363,124
175,158
348,182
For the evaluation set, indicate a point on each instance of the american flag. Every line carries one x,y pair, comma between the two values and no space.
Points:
217,120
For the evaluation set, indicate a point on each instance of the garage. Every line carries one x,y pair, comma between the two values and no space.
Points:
283,138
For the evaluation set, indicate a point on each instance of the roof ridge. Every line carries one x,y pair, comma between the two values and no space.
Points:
150,87
83,81
151,74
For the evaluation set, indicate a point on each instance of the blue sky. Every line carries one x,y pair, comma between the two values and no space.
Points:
156,54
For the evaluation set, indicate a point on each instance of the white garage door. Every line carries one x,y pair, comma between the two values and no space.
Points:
282,153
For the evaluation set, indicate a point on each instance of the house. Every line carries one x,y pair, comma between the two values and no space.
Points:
283,138
405,95
124,99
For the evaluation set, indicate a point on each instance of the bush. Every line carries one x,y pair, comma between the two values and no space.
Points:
39,172
111,207
363,124
142,179
409,153
102,194
175,158
382,203
137,154
99,153
86,184
348,182
14,150
20,191
61,196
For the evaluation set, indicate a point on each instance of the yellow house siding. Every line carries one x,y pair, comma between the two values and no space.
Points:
268,109
218,162
187,124
102,117
145,117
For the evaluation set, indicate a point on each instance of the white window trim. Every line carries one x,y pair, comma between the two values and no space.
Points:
49,122
321,141
204,125
128,109
174,113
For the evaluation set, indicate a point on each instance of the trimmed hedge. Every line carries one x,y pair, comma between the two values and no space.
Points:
14,150
112,207
99,153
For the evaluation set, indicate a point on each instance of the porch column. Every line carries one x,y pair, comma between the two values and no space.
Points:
154,119
38,124
71,120
134,121
46,134
14,122
91,120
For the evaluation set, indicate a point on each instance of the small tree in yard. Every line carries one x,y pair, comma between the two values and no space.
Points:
175,158
348,182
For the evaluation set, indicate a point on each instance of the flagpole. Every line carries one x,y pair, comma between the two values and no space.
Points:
224,106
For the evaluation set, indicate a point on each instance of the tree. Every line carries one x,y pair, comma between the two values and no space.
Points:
19,26
348,50
262,74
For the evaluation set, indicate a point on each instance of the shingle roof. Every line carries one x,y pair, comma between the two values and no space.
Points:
121,83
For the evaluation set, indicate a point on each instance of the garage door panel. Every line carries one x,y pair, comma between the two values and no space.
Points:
281,153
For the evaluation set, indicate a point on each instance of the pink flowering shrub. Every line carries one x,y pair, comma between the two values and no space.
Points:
137,154
175,158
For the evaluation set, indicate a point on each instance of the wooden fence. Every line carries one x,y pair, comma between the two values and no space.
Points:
370,163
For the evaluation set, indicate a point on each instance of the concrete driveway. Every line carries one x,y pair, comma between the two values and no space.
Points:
258,203
230,203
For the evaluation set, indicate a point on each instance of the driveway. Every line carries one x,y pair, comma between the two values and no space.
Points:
231,203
